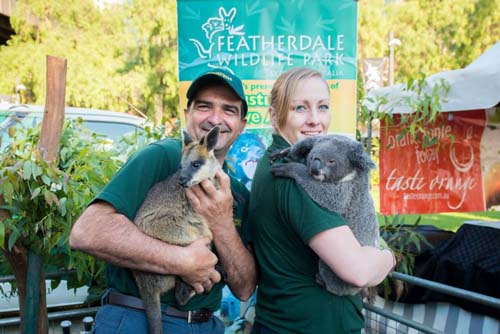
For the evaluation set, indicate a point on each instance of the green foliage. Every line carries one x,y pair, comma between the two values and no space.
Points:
152,59
424,102
44,199
405,242
90,39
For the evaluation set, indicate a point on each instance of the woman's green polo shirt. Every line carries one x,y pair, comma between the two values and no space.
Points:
128,189
283,219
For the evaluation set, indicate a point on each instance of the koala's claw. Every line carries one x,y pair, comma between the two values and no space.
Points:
280,170
278,155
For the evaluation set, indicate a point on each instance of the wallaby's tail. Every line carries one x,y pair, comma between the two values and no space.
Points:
153,312
151,298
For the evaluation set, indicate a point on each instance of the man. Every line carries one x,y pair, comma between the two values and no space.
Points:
106,230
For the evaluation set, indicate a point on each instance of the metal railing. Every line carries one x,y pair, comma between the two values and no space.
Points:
65,325
449,290
78,313
56,274
431,285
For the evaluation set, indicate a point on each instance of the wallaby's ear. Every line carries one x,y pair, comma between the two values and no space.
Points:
187,138
360,159
211,138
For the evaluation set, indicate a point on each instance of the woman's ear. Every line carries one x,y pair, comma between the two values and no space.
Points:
272,116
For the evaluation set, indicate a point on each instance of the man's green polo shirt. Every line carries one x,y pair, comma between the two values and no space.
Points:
128,189
283,219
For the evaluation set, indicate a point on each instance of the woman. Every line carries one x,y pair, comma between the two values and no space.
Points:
291,232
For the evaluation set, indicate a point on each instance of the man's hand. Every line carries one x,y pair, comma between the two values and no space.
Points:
215,205
199,267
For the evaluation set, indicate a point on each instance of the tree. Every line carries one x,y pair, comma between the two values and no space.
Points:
89,38
120,57
436,35
152,59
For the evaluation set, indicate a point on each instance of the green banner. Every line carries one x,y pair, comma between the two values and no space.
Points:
261,39
257,40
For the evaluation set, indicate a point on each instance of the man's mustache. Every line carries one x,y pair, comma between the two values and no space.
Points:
206,126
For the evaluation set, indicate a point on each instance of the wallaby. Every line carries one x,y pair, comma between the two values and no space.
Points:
166,214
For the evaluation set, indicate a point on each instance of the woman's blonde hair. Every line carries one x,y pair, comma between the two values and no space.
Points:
284,88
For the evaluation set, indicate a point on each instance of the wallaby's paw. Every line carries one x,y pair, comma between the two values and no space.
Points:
370,294
183,292
221,271
320,281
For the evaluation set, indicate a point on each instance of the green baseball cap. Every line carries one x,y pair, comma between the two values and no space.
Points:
218,76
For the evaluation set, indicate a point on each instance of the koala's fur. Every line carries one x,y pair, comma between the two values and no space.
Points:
334,171
167,214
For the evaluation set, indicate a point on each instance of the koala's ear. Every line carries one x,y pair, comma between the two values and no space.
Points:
360,159
211,138
302,148
187,138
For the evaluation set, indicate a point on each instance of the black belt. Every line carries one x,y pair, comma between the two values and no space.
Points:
195,316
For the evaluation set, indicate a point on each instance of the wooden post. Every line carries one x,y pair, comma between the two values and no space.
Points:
35,308
53,117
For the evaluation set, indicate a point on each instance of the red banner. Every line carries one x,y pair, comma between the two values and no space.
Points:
445,176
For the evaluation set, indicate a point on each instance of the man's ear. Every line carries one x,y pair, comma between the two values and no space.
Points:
186,110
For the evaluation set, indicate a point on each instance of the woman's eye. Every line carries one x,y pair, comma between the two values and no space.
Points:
324,107
300,108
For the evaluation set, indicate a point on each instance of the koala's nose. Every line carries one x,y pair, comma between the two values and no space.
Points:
316,166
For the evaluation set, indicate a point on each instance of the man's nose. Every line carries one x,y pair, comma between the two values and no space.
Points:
216,116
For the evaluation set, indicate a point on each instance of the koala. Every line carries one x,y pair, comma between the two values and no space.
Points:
334,172
167,215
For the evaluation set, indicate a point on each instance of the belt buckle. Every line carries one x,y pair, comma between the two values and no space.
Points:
189,319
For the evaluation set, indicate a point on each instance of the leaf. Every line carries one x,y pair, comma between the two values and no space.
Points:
8,192
13,238
27,169
62,207
50,198
2,234
12,209
36,171
54,283
36,192
46,180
